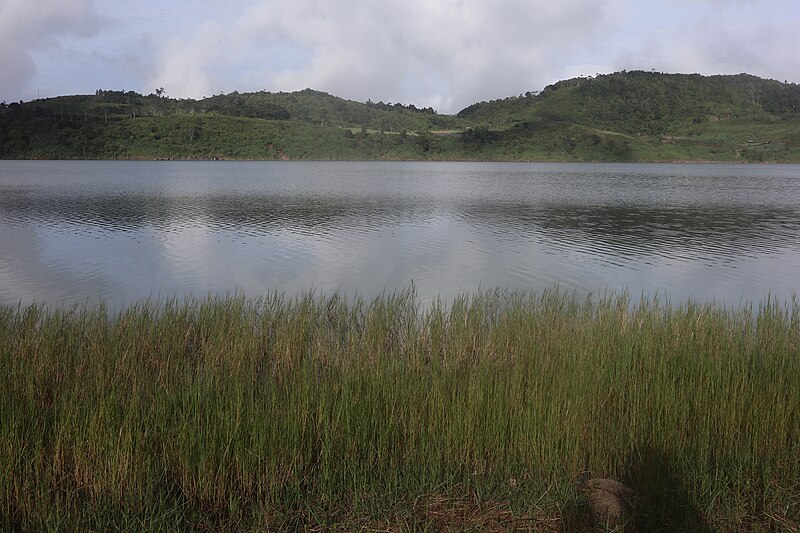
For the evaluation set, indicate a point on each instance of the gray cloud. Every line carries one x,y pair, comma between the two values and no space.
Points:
445,53
723,45
441,53
26,26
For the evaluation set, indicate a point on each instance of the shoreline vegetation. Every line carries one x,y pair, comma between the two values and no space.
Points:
336,413
223,159
631,116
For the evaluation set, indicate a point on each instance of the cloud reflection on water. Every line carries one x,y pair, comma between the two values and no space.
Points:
129,231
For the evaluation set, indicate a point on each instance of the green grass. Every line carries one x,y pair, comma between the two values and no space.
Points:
335,413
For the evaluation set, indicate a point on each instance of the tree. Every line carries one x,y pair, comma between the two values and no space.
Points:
160,92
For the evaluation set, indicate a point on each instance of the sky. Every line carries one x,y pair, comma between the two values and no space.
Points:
446,54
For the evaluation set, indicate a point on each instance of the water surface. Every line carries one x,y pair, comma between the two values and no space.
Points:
72,232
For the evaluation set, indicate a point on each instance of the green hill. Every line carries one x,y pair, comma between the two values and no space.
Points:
645,102
625,116
315,107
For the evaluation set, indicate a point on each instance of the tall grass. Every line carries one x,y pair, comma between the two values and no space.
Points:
329,412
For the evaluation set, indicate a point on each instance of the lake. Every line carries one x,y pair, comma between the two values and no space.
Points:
121,231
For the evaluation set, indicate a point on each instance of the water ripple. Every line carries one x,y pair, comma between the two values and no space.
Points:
109,230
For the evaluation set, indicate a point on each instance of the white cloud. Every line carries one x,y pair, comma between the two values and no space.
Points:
441,53
181,65
723,45
451,52
27,25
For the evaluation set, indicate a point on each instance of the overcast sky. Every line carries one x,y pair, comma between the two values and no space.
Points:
441,53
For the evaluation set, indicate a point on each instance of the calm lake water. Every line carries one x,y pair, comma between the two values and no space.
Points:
73,232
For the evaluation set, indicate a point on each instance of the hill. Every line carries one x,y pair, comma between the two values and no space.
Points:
625,116
660,116
645,102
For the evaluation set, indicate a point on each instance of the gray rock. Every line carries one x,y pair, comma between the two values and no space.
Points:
611,502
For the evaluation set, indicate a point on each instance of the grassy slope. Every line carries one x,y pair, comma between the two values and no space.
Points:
660,117
634,116
229,414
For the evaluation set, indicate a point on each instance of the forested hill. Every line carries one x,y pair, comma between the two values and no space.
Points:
308,106
645,102
626,116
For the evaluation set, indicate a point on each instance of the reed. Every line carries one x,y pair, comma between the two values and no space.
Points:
331,412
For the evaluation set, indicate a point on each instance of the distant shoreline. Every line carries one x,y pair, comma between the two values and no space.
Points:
633,116
597,162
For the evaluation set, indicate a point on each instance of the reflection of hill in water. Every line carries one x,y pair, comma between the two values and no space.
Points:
638,230
253,213
723,230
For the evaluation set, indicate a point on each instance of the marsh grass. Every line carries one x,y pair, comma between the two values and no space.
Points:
339,413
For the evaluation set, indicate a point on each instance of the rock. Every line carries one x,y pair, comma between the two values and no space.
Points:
611,501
